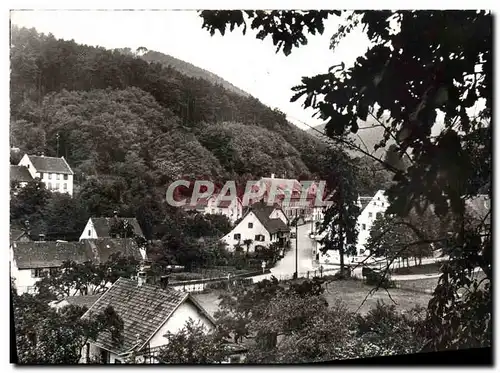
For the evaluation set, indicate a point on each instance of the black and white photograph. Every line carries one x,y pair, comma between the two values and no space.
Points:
250,186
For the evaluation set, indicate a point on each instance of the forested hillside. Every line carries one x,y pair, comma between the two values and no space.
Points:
128,127
109,107
190,70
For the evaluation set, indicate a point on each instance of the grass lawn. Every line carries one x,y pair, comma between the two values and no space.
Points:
418,270
349,291
210,301
429,283
354,292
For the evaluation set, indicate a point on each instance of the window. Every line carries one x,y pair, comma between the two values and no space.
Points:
237,236
36,272
250,225
378,198
104,357
379,214
58,176
259,237
41,175
382,204
57,186
89,233
53,271
50,176
65,177
370,214
363,226
49,186
65,186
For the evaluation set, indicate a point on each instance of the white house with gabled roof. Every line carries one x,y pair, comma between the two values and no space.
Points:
54,172
262,224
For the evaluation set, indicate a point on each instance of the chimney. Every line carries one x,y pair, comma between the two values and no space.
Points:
41,237
164,281
272,176
141,276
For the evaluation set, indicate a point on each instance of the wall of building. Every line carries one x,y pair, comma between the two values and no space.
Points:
22,277
89,231
378,204
279,214
248,233
50,179
233,212
178,321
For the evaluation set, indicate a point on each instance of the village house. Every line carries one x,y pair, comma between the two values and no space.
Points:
263,225
371,208
20,175
29,260
103,227
289,196
54,172
148,313
233,209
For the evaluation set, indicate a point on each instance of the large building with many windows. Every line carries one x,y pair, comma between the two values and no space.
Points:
54,172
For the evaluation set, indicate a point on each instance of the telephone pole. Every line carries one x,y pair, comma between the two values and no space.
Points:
296,275
57,139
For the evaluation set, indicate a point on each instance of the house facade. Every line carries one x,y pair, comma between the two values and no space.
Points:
54,172
233,209
30,260
263,225
148,313
371,208
288,196
102,227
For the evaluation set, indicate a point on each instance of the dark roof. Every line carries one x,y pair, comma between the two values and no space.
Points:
103,225
262,212
20,173
82,300
16,234
143,309
47,254
103,248
50,164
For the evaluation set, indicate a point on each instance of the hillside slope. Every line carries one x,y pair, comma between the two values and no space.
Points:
368,135
191,70
114,112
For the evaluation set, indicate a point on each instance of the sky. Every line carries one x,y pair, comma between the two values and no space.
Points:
248,63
